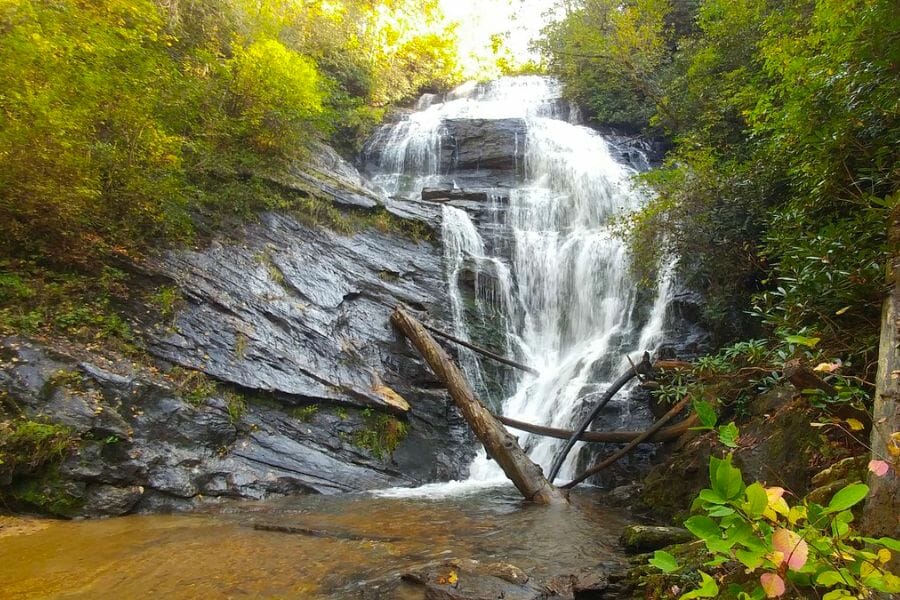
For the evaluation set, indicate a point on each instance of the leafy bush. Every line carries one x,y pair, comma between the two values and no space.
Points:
807,546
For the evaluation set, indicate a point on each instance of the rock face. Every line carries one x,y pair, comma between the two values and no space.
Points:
291,323
143,447
302,313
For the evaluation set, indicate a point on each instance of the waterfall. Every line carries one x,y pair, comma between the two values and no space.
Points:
556,280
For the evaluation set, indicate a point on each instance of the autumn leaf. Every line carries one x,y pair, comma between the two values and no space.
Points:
879,467
777,505
792,546
772,584
855,424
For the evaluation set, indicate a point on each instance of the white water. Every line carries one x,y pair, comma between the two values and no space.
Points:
564,297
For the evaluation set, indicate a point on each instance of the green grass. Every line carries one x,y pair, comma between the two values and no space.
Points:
27,445
193,386
305,413
35,300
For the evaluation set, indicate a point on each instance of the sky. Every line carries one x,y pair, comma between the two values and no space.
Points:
522,20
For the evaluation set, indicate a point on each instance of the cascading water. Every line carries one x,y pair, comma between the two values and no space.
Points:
557,281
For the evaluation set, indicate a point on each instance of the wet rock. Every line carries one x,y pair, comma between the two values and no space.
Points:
647,538
853,468
447,194
624,495
507,572
463,579
473,144
301,313
324,175
110,501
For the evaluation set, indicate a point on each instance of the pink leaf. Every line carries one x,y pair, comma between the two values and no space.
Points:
772,584
879,467
792,547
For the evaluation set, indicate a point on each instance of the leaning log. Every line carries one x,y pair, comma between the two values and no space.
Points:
498,442
642,368
667,434
614,458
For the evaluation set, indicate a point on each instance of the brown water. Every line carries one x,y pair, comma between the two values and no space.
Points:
351,546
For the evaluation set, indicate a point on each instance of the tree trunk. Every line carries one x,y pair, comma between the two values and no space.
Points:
880,516
499,443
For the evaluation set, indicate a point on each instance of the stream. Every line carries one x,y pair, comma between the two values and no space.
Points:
350,546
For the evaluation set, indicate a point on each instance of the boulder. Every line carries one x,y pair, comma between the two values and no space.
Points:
441,194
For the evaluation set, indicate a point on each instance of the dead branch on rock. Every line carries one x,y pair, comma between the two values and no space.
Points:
804,378
631,446
479,350
642,368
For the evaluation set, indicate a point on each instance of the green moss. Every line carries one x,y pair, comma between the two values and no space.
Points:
28,446
236,406
381,433
194,386
240,345
50,493
305,413
166,300
68,378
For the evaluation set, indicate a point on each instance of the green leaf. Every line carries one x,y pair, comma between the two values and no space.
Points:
710,496
726,479
847,497
728,435
708,588
889,543
750,559
706,413
757,500
664,561
809,342
720,511
716,561
829,578
704,527
835,594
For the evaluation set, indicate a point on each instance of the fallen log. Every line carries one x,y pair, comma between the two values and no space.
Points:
666,434
498,442
642,368
804,378
631,445
479,350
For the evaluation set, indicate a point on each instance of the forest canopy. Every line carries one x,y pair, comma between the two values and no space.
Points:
783,122
124,118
